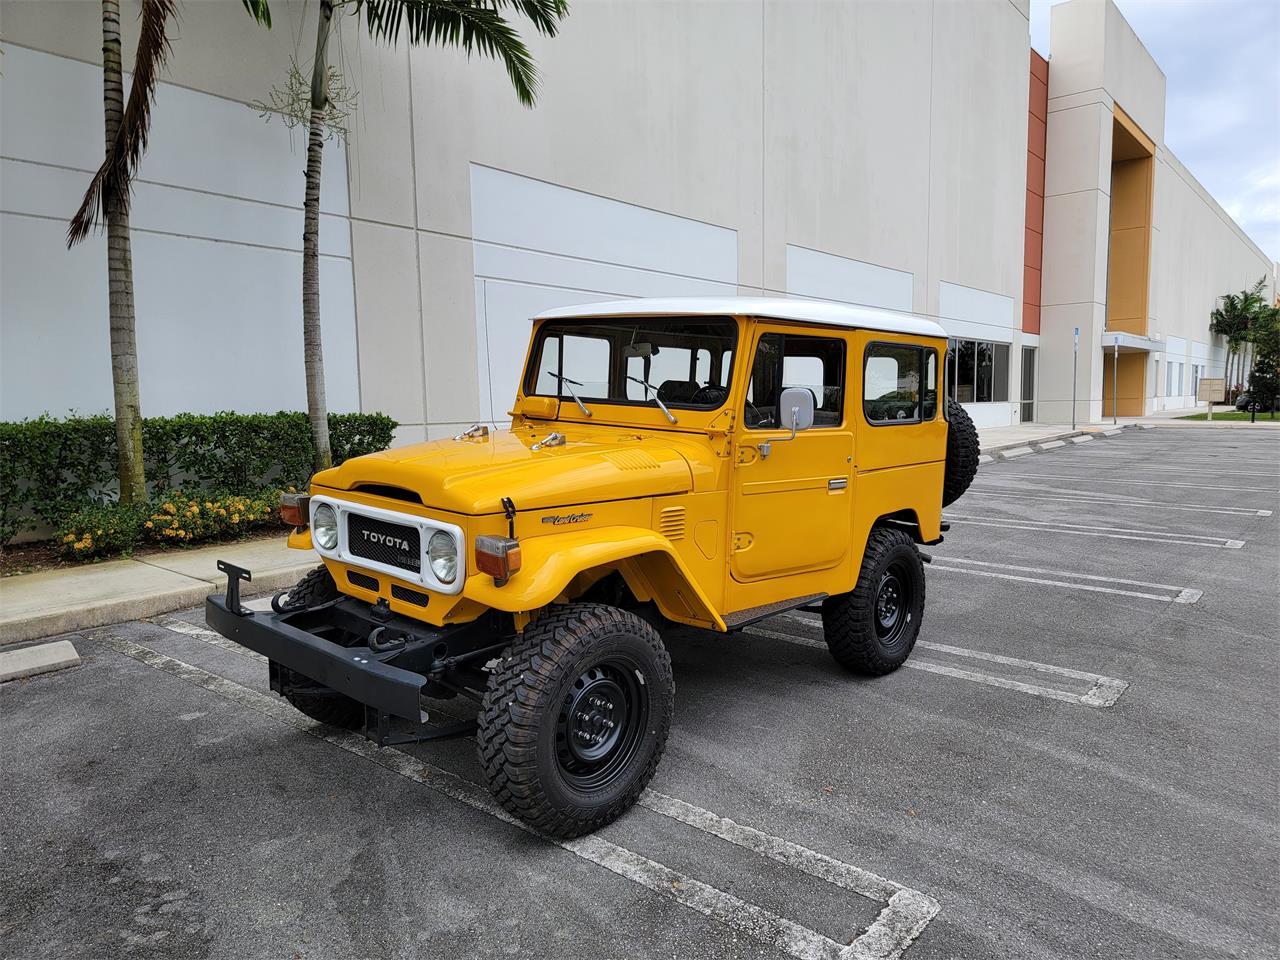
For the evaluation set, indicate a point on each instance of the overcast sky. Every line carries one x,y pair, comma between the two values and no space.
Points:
1221,61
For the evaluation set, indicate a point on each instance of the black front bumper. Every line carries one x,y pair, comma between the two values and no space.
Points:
292,640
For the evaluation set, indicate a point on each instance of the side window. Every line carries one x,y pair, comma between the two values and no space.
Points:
788,360
900,384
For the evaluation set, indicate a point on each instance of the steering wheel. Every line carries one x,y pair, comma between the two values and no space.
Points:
709,395
761,420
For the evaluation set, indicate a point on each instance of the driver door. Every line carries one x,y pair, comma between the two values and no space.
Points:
792,499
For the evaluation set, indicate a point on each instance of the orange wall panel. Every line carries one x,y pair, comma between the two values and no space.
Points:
1033,240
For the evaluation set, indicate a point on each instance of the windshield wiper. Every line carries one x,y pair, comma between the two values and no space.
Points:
656,399
563,380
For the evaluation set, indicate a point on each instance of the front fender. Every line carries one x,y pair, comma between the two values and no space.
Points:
549,563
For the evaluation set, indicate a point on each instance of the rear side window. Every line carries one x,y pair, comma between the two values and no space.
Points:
900,383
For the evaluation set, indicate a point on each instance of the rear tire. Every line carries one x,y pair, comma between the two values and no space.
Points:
962,453
872,630
576,718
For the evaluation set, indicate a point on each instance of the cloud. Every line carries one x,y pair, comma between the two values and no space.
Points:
1222,97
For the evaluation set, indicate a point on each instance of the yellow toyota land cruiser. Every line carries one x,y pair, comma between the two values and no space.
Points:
694,461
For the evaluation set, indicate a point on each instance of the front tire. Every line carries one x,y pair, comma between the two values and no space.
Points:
872,630
576,718
318,702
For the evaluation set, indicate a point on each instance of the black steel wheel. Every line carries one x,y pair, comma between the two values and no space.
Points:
601,724
872,629
576,718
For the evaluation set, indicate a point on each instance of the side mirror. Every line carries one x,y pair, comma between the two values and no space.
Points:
795,409
795,413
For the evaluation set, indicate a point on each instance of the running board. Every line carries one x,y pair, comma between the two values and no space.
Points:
742,618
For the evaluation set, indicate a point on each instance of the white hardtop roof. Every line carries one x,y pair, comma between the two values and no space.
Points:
776,308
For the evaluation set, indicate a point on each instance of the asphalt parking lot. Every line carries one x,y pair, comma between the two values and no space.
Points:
1080,760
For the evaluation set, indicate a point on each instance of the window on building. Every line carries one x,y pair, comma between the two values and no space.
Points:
788,360
900,383
978,371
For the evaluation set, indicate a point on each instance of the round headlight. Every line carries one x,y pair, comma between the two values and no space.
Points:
324,527
443,553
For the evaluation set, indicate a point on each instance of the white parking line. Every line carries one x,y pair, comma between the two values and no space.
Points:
905,915
1104,692
1087,478
1176,594
999,492
1086,530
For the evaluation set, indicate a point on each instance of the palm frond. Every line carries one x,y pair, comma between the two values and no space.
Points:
474,25
545,15
259,10
114,178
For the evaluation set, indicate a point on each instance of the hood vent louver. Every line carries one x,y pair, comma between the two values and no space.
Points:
632,460
671,523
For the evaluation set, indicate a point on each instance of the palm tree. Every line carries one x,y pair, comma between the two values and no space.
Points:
1233,319
107,199
473,25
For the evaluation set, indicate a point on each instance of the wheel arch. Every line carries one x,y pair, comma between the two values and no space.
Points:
646,561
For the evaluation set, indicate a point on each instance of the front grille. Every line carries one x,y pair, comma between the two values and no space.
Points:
392,544
363,580
416,597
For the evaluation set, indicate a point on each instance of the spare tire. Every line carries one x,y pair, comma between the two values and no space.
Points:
962,453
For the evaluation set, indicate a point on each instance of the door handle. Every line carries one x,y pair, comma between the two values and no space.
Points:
839,483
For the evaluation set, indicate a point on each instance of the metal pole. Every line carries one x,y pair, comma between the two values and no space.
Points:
1075,364
1115,381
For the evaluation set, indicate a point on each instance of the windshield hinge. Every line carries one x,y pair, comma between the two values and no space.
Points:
553,439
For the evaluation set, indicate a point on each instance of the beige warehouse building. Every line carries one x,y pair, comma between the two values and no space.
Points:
915,156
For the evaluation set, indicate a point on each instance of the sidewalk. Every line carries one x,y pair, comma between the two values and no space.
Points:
1029,437
77,598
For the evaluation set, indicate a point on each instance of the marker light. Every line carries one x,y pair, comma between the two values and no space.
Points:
498,556
295,509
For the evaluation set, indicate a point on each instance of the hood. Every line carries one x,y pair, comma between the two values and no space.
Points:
471,476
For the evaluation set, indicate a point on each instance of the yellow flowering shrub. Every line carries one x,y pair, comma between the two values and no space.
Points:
101,530
109,529
182,518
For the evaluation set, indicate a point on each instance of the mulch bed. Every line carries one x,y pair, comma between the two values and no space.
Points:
22,558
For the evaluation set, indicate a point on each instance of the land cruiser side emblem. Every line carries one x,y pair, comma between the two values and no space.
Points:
557,519
386,540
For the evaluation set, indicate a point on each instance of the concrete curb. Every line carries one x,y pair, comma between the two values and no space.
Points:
139,607
1021,448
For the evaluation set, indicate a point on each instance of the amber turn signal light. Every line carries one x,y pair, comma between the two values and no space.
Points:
295,509
498,556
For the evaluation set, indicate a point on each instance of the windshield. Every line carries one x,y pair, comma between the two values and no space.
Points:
682,363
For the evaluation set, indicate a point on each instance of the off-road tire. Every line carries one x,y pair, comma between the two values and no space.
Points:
522,724
962,454
315,701
849,620
314,588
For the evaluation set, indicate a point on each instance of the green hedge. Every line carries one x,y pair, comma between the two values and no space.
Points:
50,468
